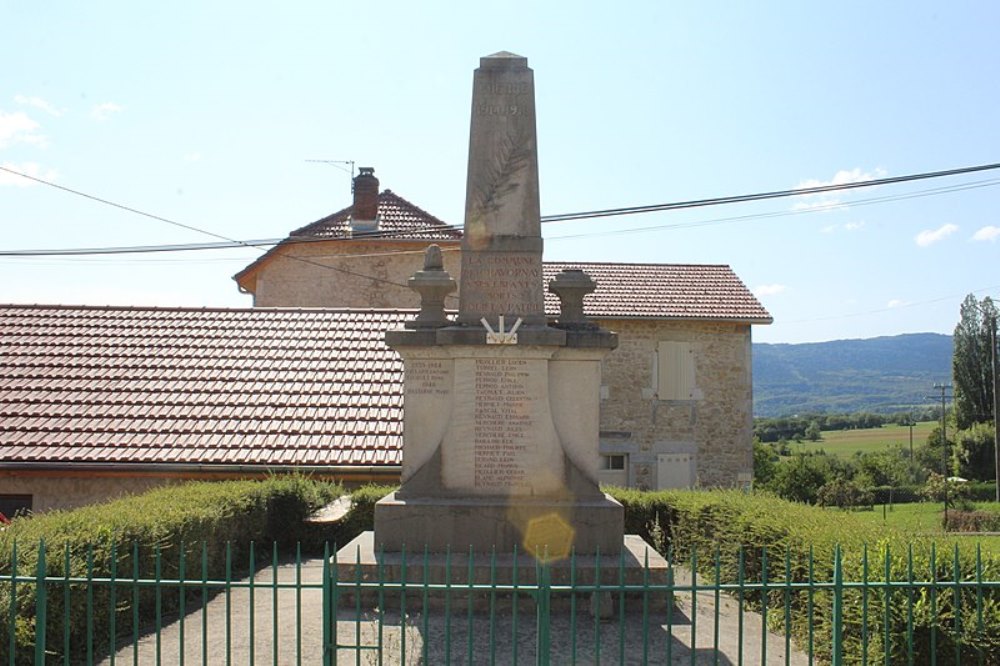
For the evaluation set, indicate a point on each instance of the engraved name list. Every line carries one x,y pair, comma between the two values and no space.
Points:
502,423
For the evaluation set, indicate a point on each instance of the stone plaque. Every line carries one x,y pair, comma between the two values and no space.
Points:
502,440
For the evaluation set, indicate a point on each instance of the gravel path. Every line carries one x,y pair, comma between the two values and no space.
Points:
616,644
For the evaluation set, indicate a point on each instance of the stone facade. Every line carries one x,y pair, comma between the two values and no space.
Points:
68,492
712,431
336,273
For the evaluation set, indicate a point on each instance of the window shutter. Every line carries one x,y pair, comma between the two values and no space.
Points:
675,371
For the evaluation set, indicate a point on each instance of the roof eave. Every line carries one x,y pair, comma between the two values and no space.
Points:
750,321
155,468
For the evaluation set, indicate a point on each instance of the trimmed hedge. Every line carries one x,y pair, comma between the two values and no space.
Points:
709,524
361,517
201,517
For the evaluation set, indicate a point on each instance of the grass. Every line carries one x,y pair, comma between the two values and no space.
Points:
925,518
845,443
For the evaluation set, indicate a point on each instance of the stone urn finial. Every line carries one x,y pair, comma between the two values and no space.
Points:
571,285
433,283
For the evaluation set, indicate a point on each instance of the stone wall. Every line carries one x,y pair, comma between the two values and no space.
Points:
714,429
48,493
293,278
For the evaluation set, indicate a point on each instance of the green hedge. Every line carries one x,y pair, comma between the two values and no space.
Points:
203,517
710,524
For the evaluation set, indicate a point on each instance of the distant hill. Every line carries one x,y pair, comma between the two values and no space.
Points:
885,374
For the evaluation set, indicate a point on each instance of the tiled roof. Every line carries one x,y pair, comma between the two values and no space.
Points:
663,291
259,386
250,386
398,220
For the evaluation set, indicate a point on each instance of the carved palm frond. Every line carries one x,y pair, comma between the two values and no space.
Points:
511,154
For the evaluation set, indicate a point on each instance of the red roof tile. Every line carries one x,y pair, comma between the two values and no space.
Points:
662,291
259,386
253,386
398,219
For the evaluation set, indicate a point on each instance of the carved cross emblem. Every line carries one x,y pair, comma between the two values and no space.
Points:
501,337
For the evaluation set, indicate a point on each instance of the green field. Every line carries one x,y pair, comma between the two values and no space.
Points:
845,443
925,518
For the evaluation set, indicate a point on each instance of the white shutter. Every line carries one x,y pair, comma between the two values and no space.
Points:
675,371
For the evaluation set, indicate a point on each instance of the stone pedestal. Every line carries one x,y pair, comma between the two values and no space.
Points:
501,411
545,527
634,564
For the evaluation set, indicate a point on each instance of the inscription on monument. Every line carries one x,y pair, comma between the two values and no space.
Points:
496,277
502,423
427,378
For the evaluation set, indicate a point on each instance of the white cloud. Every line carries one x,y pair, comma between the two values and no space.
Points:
849,226
895,303
29,168
931,236
844,177
102,111
987,233
38,103
831,201
769,289
192,157
18,127
825,205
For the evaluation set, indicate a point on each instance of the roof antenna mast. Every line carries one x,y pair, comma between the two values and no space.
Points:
337,164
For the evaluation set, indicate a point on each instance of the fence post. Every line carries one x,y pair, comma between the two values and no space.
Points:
837,656
41,605
542,635
329,613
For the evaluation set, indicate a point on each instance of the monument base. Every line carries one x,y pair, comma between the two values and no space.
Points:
636,564
547,527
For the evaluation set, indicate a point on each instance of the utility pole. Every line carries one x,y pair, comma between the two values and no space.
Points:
910,423
996,405
944,447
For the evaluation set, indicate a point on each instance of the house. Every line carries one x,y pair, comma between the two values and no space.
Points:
678,399
99,401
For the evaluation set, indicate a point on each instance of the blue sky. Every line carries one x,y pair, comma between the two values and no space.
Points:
206,113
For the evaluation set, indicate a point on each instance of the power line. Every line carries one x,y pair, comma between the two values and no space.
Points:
233,241
743,198
785,213
263,244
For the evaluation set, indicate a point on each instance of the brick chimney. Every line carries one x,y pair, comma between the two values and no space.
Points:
364,213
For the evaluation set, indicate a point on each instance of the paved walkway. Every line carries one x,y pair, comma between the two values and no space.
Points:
469,642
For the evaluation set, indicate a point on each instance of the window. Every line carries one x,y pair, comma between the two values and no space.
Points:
15,505
613,462
675,371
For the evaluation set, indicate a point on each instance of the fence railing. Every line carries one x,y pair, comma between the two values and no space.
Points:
133,605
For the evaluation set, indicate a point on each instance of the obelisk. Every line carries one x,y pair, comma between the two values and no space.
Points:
502,243
500,429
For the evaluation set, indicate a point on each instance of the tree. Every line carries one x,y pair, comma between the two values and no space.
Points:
844,493
813,433
972,362
931,457
764,461
882,468
974,450
800,478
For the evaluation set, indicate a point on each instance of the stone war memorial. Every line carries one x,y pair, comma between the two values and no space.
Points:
501,406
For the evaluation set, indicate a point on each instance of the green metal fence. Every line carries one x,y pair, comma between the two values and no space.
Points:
103,606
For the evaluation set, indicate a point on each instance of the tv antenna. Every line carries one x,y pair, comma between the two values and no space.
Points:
340,164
